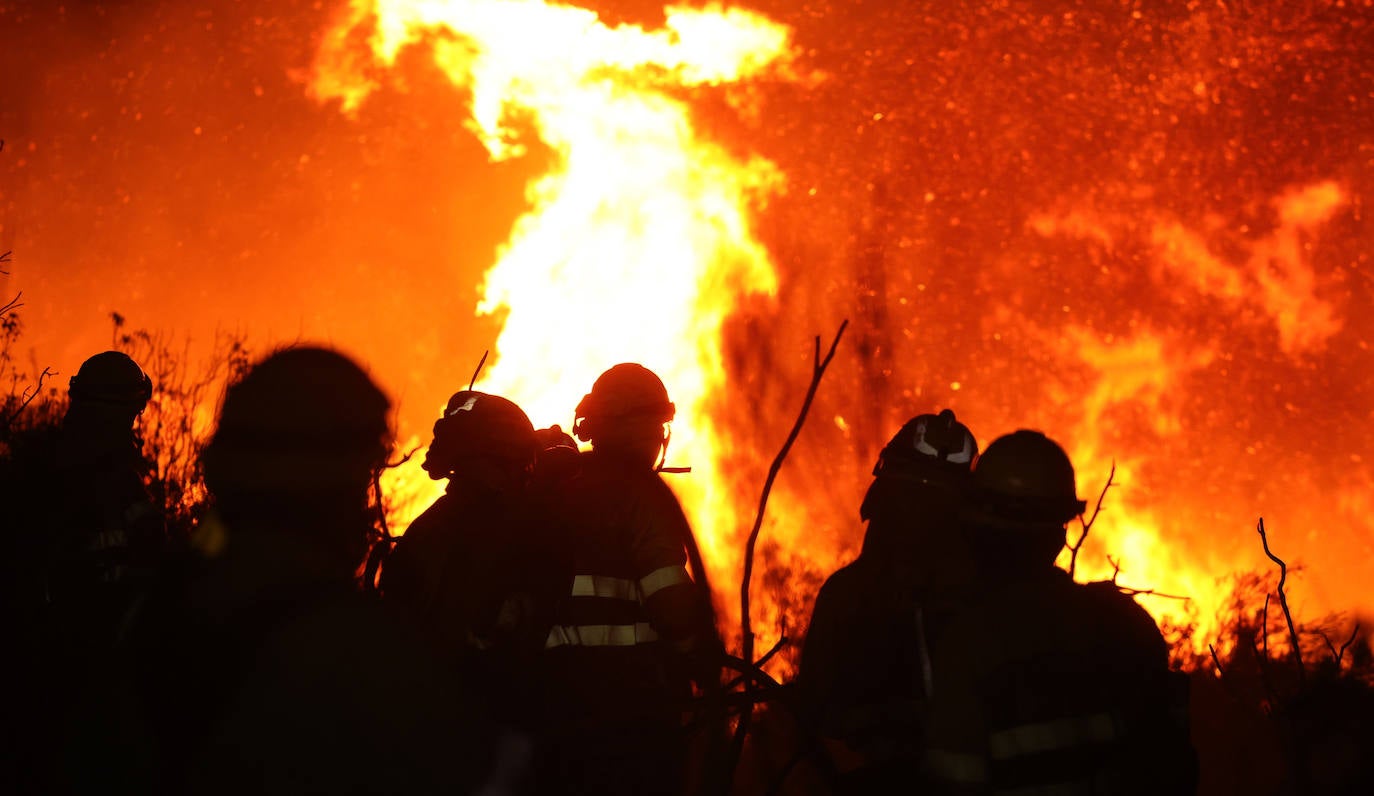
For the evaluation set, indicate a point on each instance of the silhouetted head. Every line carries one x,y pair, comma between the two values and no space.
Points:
626,414
107,395
298,440
919,482
483,440
1023,494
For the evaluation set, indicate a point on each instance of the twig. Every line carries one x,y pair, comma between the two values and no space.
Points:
29,394
478,372
1116,568
1339,656
1088,523
767,656
1271,699
1129,592
817,372
1264,624
1283,600
405,458
818,367
784,640
1355,631
13,304
1216,661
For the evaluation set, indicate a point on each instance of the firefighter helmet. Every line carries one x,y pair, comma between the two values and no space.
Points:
928,442
1025,478
928,450
111,378
628,391
480,425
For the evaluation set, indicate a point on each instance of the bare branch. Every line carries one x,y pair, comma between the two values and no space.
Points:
1088,523
1263,663
1129,592
818,367
1216,661
12,305
1116,568
1264,624
767,656
1283,600
404,458
783,642
817,373
27,397
1339,655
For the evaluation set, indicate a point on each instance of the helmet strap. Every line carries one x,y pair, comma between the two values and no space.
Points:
663,455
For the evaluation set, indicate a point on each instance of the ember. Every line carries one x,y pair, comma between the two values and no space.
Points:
1141,230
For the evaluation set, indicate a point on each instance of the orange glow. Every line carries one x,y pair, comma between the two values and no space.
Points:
638,240
1142,229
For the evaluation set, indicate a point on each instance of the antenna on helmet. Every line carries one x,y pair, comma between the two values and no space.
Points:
478,372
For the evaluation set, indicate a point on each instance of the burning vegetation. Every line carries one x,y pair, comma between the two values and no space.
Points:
1139,228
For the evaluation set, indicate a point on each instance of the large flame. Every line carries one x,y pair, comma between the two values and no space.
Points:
1140,228
638,240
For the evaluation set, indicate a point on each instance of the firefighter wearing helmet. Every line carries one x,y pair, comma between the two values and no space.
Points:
459,562
864,668
1040,683
633,629
86,540
262,666
107,534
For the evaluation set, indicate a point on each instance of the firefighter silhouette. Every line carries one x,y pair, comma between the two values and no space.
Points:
1041,684
863,678
633,630
470,568
260,665
106,534
85,546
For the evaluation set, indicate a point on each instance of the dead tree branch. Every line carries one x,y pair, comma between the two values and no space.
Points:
1283,600
818,367
27,397
1216,661
1264,624
1129,592
12,305
1088,523
1338,656
1270,696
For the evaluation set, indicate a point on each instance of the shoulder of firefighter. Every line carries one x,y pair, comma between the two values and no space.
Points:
861,684
630,585
108,534
1062,692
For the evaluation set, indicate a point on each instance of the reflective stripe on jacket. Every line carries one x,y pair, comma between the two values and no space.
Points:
1046,687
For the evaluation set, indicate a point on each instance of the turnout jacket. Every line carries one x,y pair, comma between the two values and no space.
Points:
630,613
1043,685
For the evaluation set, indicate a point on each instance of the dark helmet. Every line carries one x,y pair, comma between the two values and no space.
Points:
927,443
628,391
930,449
480,425
554,438
1025,478
111,378
301,419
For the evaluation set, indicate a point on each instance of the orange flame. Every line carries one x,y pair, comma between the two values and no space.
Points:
638,241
